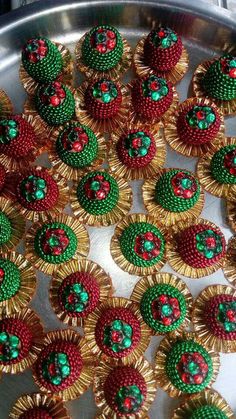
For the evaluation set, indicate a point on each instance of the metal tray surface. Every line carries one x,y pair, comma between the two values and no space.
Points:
205,29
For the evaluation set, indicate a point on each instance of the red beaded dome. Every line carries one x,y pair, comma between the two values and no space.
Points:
15,341
103,99
220,316
17,137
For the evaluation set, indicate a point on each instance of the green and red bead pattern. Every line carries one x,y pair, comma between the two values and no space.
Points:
55,103
162,49
102,48
223,165
125,390
117,332
189,366
58,366
42,60
36,190
36,413
201,117
220,316
103,99
77,145
17,137
163,308
152,96
208,412
55,243
5,229
142,244
136,149
10,279
177,190
201,246
15,341
220,79
98,193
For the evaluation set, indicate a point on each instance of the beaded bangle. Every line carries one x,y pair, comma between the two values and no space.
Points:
64,366
74,296
124,390
29,406
115,329
214,318
184,365
161,51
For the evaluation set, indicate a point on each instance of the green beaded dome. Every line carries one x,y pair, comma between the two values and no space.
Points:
208,412
10,280
55,103
142,244
77,145
98,193
223,165
189,366
5,228
55,243
102,48
220,79
42,60
163,308
177,190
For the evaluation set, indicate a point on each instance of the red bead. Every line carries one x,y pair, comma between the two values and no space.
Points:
166,321
185,378
161,34
116,336
52,369
163,299
101,48
111,44
71,298
42,51
128,403
198,379
57,84
1,273
146,256
154,85
176,313
55,101
177,191
111,34
101,195
232,171
136,143
200,115
77,146
230,314
33,58
61,93
232,73
57,251
187,194
106,186
99,177
184,358
148,236
104,87
210,242
155,252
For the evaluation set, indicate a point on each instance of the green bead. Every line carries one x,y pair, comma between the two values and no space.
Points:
84,297
127,342
165,43
39,194
146,141
65,370
115,347
41,183
12,133
166,310
95,185
200,247
77,288
62,358
191,121
209,254
79,308
117,325
148,245
202,124
186,183
211,117
14,353
3,337
198,237
142,151
132,153
106,98
56,381
53,241
155,96
127,329
164,90
12,123
193,368
14,340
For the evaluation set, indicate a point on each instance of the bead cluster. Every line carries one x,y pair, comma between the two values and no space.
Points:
162,49
163,308
208,412
136,149
10,279
117,332
103,99
151,96
200,246
55,103
15,341
77,145
49,367
220,79
142,244
223,165
201,117
79,294
102,48
177,190
98,193
220,316
42,60
55,242
188,366
125,390
5,228
36,190
17,137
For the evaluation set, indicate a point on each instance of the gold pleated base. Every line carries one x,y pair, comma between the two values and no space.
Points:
6,105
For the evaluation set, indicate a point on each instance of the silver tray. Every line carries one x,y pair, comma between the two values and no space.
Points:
205,29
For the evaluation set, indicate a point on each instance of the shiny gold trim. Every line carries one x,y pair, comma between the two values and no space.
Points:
114,73
116,214
222,190
54,406
228,107
207,397
116,251
229,267
200,327
86,376
160,362
74,173
136,119
103,280
187,149
66,77
32,320
168,218
27,287
165,278
93,319
101,374
174,75
145,172
178,264
17,224
231,215
50,268
114,124
6,107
